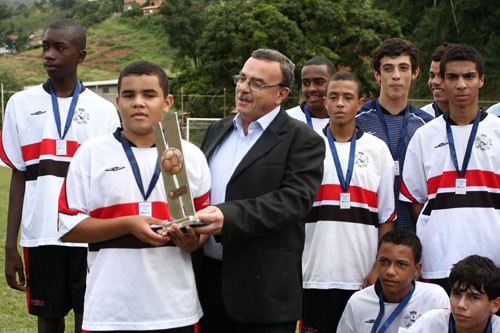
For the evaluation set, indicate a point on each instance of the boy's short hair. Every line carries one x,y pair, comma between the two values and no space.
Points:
462,52
406,237
320,61
395,47
145,68
476,272
75,28
286,65
438,53
347,76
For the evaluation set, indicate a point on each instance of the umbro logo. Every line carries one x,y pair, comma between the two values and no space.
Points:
372,133
116,168
441,144
37,113
370,321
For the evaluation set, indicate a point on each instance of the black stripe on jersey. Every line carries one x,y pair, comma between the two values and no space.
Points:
473,199
47,168
334,213
124,242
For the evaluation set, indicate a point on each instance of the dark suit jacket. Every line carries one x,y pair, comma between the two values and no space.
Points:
267,200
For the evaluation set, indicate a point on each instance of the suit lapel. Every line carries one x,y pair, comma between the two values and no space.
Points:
220,131
270,138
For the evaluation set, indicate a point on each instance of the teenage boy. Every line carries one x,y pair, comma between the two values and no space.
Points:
475,297
453,167
435,83
315,75
354,207
390,117
113,198
396,300
43,128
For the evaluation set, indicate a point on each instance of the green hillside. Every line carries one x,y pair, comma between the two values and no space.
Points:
111,45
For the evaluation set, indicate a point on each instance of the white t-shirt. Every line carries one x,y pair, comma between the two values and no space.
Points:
131,285
29,140
363,308
438,321
341,244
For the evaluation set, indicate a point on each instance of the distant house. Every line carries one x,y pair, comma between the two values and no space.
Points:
152,8
107,89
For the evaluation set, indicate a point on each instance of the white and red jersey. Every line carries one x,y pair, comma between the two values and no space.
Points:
452,226
341,244
317,123
130,284
438,320
29,144
364,305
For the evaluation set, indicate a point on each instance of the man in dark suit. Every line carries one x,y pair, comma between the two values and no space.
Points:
266,170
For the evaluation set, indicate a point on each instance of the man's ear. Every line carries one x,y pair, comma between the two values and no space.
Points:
415,74
81,56
169,100
282,95
376,75
481,81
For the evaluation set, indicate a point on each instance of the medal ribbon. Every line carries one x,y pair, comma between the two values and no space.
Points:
470,143
394,313
71,111
437,110
402,133
308,116
135,169
344,183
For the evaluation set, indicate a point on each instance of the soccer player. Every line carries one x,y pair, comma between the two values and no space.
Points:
435,83
475,297
315,75
396,300
390,117
43,128
453,167
139,279
354,207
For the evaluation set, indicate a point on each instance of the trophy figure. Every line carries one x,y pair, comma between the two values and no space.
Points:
173,169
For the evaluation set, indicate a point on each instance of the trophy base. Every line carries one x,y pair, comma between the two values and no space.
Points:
188,221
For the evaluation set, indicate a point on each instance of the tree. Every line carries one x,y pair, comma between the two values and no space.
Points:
218,36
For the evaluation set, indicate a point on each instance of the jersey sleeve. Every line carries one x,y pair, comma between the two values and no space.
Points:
385,196
10,145
413,186
346,323
114,119
198,175
75,193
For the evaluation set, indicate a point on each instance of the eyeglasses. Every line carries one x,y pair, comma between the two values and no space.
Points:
253,84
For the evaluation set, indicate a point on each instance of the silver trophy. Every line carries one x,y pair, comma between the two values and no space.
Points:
173,169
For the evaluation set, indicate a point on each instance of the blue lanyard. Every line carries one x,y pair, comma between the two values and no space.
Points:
308,116
137,172
350,167
394,313
470,143
437,110
71,111
402,133
451,325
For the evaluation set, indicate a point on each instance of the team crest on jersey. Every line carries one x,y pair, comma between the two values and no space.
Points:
483,142
362,160
81,116
410,318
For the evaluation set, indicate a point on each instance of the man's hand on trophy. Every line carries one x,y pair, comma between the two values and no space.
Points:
184,238
213,218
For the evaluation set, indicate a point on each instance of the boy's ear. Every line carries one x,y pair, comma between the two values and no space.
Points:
495,305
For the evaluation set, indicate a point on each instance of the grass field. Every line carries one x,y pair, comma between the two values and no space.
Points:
14,317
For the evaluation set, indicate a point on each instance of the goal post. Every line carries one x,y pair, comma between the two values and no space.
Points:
196,128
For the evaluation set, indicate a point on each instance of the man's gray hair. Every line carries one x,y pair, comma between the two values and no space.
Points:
286,65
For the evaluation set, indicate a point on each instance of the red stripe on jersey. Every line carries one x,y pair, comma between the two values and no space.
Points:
404,191
63,204
202,201
474,178
160,210
3,155
392,217
358,194
47,147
